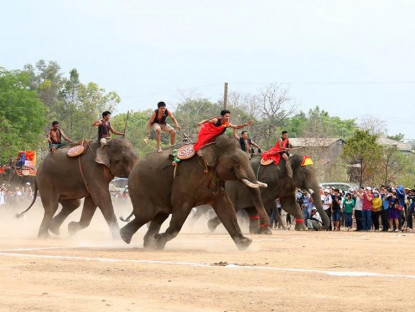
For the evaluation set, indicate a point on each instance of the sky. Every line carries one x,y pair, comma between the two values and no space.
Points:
351,58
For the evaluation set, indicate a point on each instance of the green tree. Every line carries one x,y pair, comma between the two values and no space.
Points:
363,150
22,114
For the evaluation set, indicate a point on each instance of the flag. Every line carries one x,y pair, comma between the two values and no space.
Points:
307,161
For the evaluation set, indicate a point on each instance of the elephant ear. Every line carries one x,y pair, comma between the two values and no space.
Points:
209,154
103,156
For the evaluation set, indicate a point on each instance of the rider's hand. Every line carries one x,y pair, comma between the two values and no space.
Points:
178,127
149,135
249,122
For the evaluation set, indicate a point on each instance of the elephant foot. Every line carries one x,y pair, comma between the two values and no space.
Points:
243,243
54,229
212,225
159,242
300,227
43,234
125,235
265,231
73,228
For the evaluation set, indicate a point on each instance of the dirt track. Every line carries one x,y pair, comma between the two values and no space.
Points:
288,271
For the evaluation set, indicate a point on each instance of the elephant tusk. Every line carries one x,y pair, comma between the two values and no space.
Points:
310,191
250,184
261,184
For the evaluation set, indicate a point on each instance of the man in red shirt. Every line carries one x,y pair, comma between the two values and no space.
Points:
366,198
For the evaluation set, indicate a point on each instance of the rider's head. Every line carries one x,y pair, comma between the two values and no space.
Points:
55,124
244,134
284,135
225,115
106,115
161,106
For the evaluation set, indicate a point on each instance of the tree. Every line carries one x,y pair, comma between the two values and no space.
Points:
373,124
273,104
22,114
363,150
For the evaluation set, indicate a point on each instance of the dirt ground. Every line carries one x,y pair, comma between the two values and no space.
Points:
202,271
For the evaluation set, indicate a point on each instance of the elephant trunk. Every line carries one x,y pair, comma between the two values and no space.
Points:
317,202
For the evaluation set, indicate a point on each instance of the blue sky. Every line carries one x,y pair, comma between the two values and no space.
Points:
352,58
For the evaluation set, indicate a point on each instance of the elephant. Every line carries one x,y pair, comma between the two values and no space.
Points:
65,180
281,186
157,189
11,179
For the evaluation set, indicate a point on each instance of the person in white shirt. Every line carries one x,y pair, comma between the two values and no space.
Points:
327,205
357,210
315,222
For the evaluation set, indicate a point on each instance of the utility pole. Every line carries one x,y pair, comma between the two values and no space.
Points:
225,96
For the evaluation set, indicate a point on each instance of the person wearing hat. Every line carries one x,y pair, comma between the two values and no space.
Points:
314,222
327,205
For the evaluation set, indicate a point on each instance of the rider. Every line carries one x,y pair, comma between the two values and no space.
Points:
55,136
281,148
245,142
104,128
213,127
158,123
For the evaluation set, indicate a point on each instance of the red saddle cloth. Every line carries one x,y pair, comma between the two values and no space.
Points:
273,153
207,134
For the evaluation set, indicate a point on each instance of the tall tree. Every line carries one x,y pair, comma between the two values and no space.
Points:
22,114
363,150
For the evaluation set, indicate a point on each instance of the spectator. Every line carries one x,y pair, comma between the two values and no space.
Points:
358,209
385,208
2,195
366,198
327,205
400,204
376,209
314,222
393,214
336,202
411,204
348,205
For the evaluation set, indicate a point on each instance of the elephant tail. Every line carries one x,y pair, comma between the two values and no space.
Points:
126,219
19,215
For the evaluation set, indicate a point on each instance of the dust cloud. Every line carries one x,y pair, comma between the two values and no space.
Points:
24,230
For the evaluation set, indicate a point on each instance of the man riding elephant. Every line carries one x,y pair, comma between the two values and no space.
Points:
281,186
55,136
213,127
65,180
158,189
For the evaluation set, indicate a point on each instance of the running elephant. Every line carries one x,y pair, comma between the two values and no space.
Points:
65,180
281,186
158,190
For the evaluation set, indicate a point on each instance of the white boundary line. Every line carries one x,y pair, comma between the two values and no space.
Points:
198,264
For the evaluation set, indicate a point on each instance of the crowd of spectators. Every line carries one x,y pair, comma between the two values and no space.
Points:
14,196
364,209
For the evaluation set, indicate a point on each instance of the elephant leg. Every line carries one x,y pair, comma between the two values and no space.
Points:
226,214
141,217
290,205
179,215
104,203
213,223
88,211
254,220
154,228
68,206
50,205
